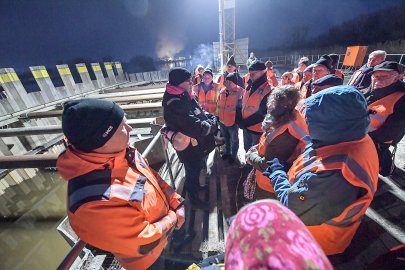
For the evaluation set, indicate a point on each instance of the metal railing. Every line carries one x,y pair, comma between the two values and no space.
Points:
293,59
80,244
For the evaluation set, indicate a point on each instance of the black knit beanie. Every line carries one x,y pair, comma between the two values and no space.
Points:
257,65
178,75
89,123
209,71
231,61
325,61
233,77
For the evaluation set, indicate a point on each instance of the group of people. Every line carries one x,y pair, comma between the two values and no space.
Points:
316,145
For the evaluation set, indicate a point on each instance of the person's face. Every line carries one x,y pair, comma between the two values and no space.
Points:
301,67
381,78
319,72
285,80
200,71
230,68
119,141
186,85
207,78
374,60
229,84
256,74
307,76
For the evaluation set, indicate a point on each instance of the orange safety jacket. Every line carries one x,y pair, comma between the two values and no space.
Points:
271,77
358,162
298,129
251,104
125,209
339,73
381,109
227,101
208,101
221,81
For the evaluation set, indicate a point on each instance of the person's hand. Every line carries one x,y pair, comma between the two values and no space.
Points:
181,217
274,165
250,153
164,130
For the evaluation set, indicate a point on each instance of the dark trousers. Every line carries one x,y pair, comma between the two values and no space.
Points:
231,138
193,168
250,139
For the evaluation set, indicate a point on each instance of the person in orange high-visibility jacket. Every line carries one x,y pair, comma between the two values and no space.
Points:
332,183
254,107
115,201
285,136
306,79
386,102
299,71
271,75
286,78
228,100
207,92
230,68
361,78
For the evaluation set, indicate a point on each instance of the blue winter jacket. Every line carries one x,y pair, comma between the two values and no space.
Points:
334,115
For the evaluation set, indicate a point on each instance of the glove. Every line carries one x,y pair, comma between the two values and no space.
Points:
274,165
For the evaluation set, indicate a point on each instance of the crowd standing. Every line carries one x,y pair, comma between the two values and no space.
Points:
305,139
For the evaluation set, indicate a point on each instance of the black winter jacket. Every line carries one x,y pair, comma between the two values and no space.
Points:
181,113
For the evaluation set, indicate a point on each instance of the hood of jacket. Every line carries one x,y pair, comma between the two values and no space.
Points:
337,114
73,163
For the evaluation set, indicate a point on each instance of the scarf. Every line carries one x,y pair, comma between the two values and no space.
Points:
175,90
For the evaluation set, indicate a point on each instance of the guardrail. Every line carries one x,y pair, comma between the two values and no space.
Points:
79,245
293,59
41,88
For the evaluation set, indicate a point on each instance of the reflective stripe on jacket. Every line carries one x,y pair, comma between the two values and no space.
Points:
227,101
358,163
208,100
125,209
298,129
251,104
381,109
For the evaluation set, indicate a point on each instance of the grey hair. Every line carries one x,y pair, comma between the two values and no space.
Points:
378,53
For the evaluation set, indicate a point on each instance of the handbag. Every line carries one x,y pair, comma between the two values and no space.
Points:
249,185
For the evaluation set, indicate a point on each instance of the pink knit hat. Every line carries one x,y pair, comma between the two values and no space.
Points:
267,235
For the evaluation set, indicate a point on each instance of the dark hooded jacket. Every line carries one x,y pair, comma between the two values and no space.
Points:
332,119
182,113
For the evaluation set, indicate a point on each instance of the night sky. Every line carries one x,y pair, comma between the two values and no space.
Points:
47,32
